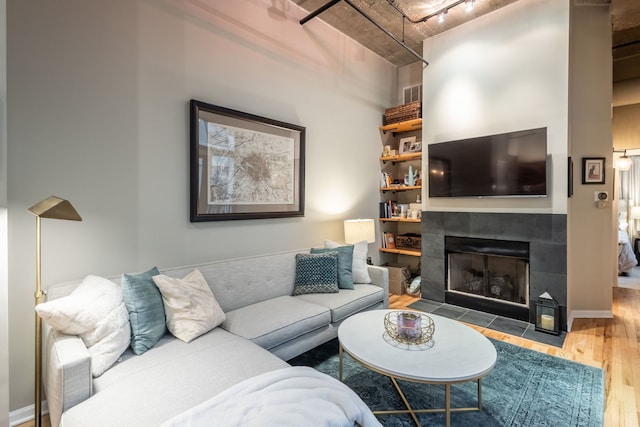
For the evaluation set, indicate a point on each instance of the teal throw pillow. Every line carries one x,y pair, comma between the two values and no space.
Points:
316,273
345,263
146,310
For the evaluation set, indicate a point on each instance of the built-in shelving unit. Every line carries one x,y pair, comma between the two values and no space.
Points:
396,218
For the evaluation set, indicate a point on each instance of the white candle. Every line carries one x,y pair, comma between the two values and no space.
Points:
546,321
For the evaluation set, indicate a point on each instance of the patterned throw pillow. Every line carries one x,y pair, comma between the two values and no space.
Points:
316,273
345,263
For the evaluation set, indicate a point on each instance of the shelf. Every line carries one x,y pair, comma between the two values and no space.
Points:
405,157
402,188
401,251
399,220
407,126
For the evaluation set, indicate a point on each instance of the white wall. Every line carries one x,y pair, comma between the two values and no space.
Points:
592,235
496,74
98,114
4,274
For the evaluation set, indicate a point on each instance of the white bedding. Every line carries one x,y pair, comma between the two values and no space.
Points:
295,396
626,258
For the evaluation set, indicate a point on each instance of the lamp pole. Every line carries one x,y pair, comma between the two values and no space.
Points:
38,294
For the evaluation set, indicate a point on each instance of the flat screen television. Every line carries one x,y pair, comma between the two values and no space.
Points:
512,164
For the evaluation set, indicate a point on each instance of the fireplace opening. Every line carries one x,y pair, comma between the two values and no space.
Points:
488,275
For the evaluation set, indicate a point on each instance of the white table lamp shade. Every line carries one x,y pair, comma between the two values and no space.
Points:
357,230
635,213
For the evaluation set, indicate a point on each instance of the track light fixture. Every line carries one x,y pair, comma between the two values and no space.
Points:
439,13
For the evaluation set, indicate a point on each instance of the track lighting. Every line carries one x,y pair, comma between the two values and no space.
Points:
469,4
441,16
623,162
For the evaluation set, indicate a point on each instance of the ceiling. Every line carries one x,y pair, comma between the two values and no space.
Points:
388,14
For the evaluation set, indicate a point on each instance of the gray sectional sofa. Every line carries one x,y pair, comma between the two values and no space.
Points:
265,325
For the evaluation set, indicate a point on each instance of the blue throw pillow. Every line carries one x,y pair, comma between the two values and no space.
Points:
345,263
146,310
316,273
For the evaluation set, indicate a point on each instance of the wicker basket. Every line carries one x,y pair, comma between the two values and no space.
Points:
403,113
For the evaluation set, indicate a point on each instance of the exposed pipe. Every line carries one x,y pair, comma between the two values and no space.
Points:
334,2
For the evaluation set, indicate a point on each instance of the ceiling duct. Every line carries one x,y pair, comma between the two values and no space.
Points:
334,2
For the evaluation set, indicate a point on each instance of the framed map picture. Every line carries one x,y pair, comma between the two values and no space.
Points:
244,166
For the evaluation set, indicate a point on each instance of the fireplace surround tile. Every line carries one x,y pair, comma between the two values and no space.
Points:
546,233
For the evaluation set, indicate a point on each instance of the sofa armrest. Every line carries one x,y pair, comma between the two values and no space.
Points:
67,369
380,277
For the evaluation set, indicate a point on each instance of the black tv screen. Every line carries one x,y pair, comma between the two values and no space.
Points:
509,164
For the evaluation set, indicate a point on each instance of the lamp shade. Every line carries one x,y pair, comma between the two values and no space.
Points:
55,208
635,213
623,162
357,230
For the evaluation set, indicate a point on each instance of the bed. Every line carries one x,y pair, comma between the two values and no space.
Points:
626,258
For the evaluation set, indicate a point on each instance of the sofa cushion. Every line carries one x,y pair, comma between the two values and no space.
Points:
347,302
272,322
146,310
345,263
94,311
316,273
189,304
170,378
359,268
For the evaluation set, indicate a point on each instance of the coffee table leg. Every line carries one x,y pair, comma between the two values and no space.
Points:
447,404
340,361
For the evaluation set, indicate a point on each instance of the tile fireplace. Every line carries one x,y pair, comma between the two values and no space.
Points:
502,261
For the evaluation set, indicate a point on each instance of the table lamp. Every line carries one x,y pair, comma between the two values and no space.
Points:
54,208
357,230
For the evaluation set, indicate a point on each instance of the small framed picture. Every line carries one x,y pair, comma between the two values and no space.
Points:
593,170
415,147
405,144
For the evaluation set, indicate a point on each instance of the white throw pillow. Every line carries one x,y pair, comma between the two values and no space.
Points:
360,270
189,305
95,312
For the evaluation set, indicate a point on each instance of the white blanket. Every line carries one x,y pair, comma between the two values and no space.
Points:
295,396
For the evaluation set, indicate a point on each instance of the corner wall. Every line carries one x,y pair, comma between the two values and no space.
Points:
4,232
592,236
98,114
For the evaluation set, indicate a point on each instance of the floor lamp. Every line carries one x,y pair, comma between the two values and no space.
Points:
54,208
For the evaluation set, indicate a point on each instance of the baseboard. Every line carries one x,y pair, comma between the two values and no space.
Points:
25,414
588,314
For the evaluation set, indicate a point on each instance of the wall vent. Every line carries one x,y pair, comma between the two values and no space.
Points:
412,94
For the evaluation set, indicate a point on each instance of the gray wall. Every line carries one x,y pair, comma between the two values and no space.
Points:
4,274
98,97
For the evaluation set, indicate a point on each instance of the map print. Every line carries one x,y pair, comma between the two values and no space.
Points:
248,167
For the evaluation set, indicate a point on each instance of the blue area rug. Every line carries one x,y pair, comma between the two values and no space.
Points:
526,388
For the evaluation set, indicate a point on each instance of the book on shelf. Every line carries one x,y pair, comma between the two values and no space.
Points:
389,240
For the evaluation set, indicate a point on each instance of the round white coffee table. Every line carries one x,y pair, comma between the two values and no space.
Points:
456,354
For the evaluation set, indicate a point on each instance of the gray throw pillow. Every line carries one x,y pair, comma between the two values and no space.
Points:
345,263
146,310
316,273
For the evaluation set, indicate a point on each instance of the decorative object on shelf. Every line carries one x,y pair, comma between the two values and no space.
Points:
409,241
547,314
402,113
357,230
409,327
412,177
53,208
244,166
404,145
593,170
389,240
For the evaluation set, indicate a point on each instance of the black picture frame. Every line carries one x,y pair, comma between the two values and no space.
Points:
244,166
593,170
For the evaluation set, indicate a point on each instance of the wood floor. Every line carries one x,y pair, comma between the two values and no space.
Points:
610,344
